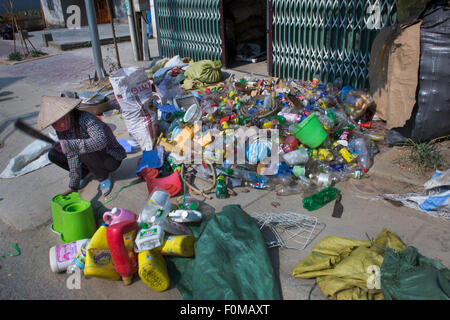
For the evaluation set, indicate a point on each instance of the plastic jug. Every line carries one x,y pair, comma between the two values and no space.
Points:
179,246
120,238
62,256
158,202
117,215
98,257
149,238
170,226
153,270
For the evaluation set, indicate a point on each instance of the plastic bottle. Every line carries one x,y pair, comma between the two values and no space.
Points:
185,216
118,215
289,144
98,257
301,186
153,270
361,149
149,237
221,188
299,156
168,225
79,261
158,202
120,238
61,256
318,200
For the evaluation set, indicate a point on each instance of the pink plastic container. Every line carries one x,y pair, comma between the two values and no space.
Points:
117,215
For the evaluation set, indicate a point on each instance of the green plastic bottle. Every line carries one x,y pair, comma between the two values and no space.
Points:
221,188
318,200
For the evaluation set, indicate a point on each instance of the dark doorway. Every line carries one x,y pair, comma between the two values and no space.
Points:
245,35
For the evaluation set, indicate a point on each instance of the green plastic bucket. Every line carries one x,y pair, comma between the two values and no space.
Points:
73,217
310,131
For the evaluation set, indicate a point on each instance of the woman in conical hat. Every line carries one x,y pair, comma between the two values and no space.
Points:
87,147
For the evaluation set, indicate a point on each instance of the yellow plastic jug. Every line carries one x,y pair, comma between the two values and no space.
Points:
153,270
98,257
179,245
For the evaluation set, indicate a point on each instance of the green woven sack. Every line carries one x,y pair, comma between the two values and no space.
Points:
207,71
407,275
231,261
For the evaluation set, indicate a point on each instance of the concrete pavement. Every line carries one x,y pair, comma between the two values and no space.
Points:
25,215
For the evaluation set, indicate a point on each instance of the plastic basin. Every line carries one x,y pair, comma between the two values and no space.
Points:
310,132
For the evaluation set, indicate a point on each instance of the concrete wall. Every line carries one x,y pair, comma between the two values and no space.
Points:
53,18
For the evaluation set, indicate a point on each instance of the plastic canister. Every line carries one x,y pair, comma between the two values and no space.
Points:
149,238
185,216
120,238
62,256
170,226
153,270
181,245
117,215
299,156
98,257
158,201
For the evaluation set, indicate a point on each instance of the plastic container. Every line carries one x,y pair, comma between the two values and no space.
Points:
98,257
120,238
310,131
361,149
299,156
157,202
185,216
73,217
170,226
117,215
318,200
221,188
193,114
62,256
153,270
179,246
149,238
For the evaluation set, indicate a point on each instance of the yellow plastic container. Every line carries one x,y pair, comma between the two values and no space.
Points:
98,257
153,270
180,245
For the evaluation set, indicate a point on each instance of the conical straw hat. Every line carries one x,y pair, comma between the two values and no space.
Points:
53,109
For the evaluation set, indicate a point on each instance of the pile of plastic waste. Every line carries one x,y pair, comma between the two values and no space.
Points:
320,132
127,244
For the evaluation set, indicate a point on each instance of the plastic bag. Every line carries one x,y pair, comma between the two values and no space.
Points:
133,92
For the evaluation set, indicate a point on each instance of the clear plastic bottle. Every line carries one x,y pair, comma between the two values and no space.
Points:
361,149
302,186
298,156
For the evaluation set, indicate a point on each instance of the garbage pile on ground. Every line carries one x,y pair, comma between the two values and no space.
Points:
320,132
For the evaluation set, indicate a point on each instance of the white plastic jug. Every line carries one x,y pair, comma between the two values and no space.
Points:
61,256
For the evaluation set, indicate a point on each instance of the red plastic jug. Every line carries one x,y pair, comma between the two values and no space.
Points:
120,238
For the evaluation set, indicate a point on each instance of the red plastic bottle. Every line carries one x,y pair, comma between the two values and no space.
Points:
120,237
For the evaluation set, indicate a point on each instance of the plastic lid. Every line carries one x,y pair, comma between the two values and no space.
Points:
143,225
184,214
114,210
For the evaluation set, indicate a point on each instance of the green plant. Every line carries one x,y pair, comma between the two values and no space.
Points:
14,56
37,53
425,155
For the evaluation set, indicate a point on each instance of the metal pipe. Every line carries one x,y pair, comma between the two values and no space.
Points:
145,47
95,41
131,25
158,33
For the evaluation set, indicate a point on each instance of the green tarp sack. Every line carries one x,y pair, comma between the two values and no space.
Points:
407,275
231,261
206,71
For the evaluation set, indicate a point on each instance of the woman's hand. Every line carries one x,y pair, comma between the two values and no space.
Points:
69,190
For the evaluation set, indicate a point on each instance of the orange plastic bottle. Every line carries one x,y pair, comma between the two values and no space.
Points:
120,237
